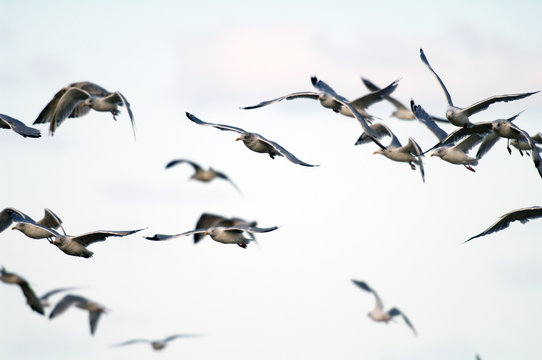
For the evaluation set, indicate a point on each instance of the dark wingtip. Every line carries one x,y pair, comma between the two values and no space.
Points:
314,80
153,238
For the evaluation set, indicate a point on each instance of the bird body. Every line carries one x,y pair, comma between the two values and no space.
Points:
202,174
94,309
155,344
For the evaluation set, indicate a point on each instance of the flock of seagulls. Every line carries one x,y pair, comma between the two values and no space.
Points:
78,98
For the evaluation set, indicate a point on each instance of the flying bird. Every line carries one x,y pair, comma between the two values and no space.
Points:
329,102
7,122
521,215
401,111
202,174
94,309
410,153
523,145
77,245
222,234
378,313
254,141
50,220
77,99
31,298
156,344
207,220
460,116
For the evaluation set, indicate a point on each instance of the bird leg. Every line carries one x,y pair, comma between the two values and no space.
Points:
470,168
412,166
243,245
508,146
115,113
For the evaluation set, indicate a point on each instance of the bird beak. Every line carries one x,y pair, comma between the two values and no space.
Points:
14,228
239,138
433,154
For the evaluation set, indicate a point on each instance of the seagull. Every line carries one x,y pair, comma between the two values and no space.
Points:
523,145
94,309
410,153
31,298
222,234
50,220
360,104
456,154
523,215
77,245
201,174
207,220
460,116
77,99
378,314
156,344
254,141
7,122
401,112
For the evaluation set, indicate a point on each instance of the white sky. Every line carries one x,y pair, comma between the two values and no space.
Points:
358,215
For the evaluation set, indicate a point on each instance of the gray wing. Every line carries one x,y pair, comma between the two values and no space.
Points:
381,131
218,126
394,312
161,237
65,303
372,87
363,285
413,148
296,95
31,297
448,97
47,113
486,145
522,215
283,151
101,235
484,104
51,220
225,177
176,336
55,291
65,106
7,122
93,317
481,129
31,223
374,96
118,98
537,138
8,215
427,120
469,143
92,88
206,221
179,161
130,342
250,229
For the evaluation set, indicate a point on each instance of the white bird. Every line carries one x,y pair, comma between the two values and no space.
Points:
410,153
31,297
254,141
222,234
378,313
76,245
207,220
77,99
460,116
326,101
155,344
7,122
202,174
522,215
94,309
401,111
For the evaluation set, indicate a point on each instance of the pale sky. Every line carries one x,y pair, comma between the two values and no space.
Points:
356,216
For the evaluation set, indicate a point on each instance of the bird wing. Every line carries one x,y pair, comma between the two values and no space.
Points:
55,291
176,336
537,138
47,113
484,104
100,235
225,177
31,223
448,97
470,142
363,285
381,131
206,221
31,297
118,98
65,106
7,122
487,144
372,87
51,220
161,237
394,312
427,120
8,215
179,161
523,215
296,95
283,151
129,342
218,126
92,88
375,96
482,128
249,229
93,317
65,303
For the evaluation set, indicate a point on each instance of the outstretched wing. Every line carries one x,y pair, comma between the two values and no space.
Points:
7,122
130,342
522,215
65,303
51,220
8,215
31,297
427,120
283,151
375,96
484,104
448,97
394,312
296,95
100,235
65,106
363,285
180,161
218,126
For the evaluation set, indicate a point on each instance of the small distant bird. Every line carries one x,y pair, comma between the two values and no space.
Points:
378,314
202,174
156,344
77,245
254,141
326,101
95,310
222,234
401,111
207,220
522,215
410,153
77,99
460,116
31,298
7,122
49,220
